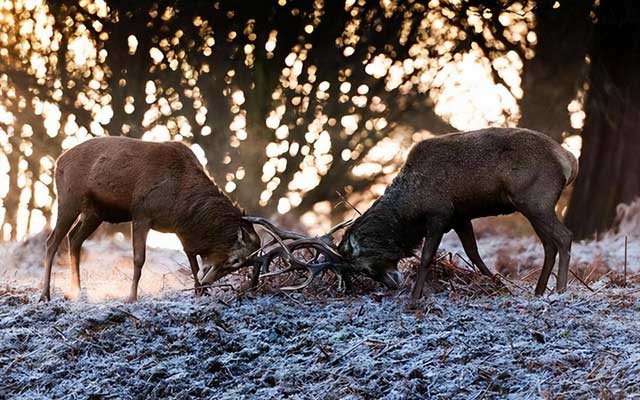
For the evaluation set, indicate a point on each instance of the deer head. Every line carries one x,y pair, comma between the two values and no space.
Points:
246,245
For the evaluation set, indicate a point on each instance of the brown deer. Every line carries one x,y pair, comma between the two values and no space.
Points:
448,181
159,186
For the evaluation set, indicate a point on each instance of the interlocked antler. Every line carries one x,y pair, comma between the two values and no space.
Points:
284,243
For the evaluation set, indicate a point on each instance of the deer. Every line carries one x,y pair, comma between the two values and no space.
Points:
444,184
448,181
160,186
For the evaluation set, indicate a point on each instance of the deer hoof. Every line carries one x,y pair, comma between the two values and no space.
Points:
44,298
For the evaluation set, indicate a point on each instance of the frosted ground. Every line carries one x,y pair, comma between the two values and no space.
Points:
374,344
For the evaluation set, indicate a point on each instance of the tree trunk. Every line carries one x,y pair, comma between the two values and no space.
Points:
610,166
552,77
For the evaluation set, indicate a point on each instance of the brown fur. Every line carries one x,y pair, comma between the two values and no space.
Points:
159,186
450,180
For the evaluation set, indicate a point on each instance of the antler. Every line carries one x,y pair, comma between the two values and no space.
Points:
323,246
271,228
341,225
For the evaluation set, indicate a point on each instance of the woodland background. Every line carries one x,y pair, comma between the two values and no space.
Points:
288,102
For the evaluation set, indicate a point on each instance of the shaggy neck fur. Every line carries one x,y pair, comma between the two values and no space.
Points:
212,221
384,230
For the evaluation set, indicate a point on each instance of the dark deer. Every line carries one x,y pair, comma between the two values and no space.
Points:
159,186
448,181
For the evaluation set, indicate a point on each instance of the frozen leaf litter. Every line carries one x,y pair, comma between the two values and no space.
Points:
579,345
468,341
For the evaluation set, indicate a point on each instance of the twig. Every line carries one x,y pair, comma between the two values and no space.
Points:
511,282
391,346
497,278
129,314
482,393
592,269
220,285
596,292
346,353
581,281
322,349
472,266
535,270
60,333
344,199
287,295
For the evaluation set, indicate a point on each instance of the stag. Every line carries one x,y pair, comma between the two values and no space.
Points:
448,181
159,186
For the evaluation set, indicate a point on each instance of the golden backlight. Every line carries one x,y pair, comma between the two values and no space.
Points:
465,89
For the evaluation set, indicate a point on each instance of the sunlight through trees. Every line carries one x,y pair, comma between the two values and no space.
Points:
284,102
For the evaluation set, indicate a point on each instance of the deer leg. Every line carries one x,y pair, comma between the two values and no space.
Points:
468,240
555,237
139,233
549,260
255,275
80,232
429,249
63,224
562,239
193,263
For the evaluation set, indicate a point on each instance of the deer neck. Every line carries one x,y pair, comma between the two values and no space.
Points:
209,224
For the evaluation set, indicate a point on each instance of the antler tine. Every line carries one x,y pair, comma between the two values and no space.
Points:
314,270
299,240
278,235
280,272
318,244
268,225
299,264
273,231
303,285
333,259
341,225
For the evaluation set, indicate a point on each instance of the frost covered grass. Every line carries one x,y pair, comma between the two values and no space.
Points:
579,345
471,340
